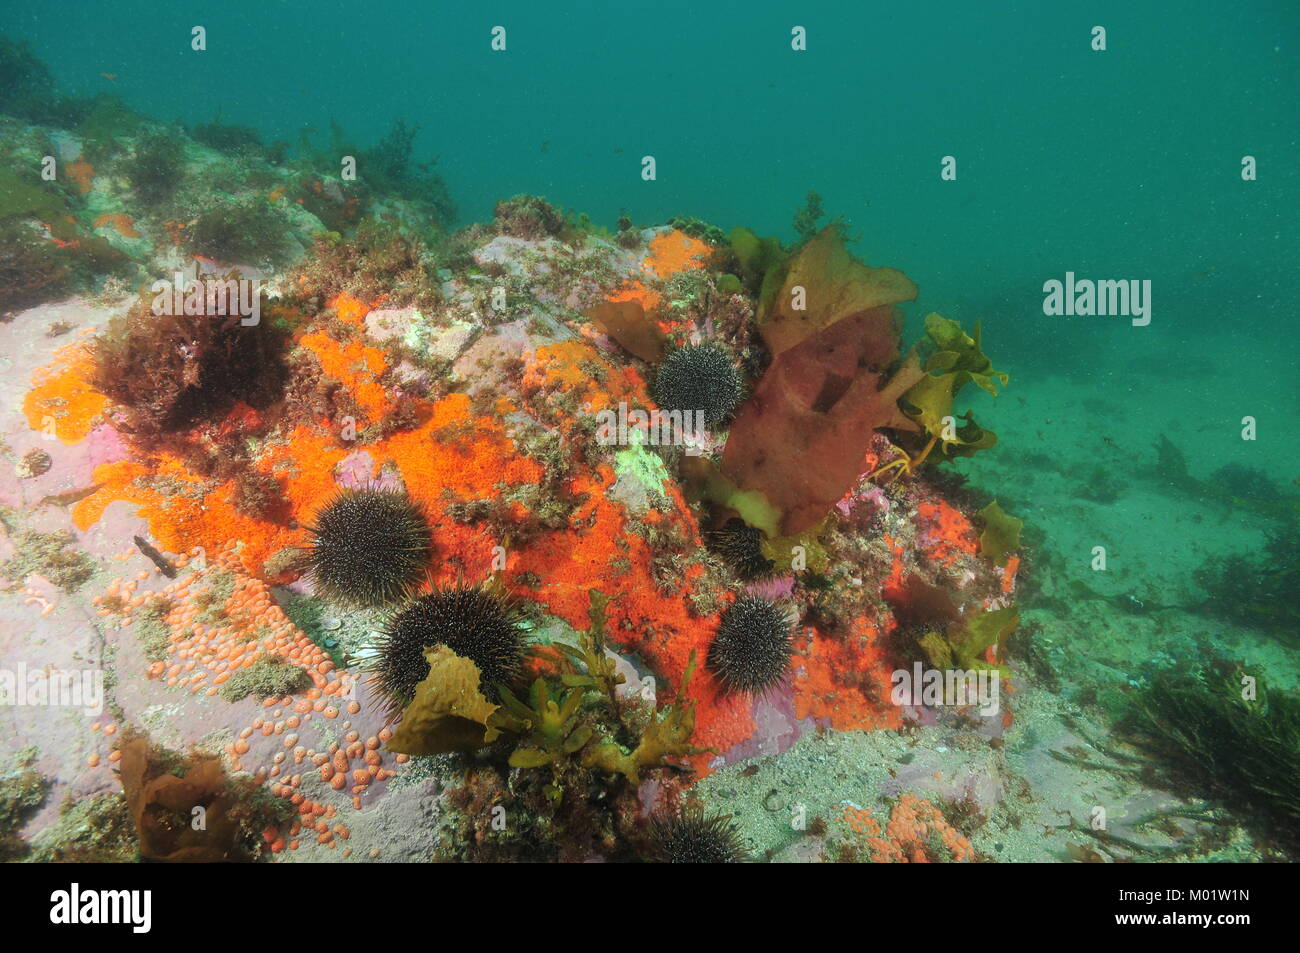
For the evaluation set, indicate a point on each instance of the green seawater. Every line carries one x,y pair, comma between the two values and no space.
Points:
1162,441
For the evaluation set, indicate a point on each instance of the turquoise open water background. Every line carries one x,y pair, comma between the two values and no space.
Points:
1115,164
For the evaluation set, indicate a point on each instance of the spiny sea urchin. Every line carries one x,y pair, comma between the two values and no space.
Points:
702,378
477,623
751,652
693,837
739,546
369,547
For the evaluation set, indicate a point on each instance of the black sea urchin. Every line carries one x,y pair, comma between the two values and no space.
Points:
751,652
476,623
369,547
695,838
739,545
700,378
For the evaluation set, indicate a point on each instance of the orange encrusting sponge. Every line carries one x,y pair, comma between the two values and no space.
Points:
676,251
821,691
946,533
913,834
61,394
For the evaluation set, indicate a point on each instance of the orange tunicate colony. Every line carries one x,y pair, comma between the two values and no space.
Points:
669,253
251,627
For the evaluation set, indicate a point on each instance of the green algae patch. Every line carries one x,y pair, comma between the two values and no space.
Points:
1001,534
32,268
637,463
151,631
265,678
22,789
247,231
1231,738
418,332
762,264
211,602
729,284
956,360
108,120
704,481
697,228
26,196
46,554
95,829
965,644
803,551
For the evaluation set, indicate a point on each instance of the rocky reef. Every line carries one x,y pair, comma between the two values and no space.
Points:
582,448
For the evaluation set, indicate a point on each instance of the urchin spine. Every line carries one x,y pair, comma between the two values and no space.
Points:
751,651
693,837
369,547
699,378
